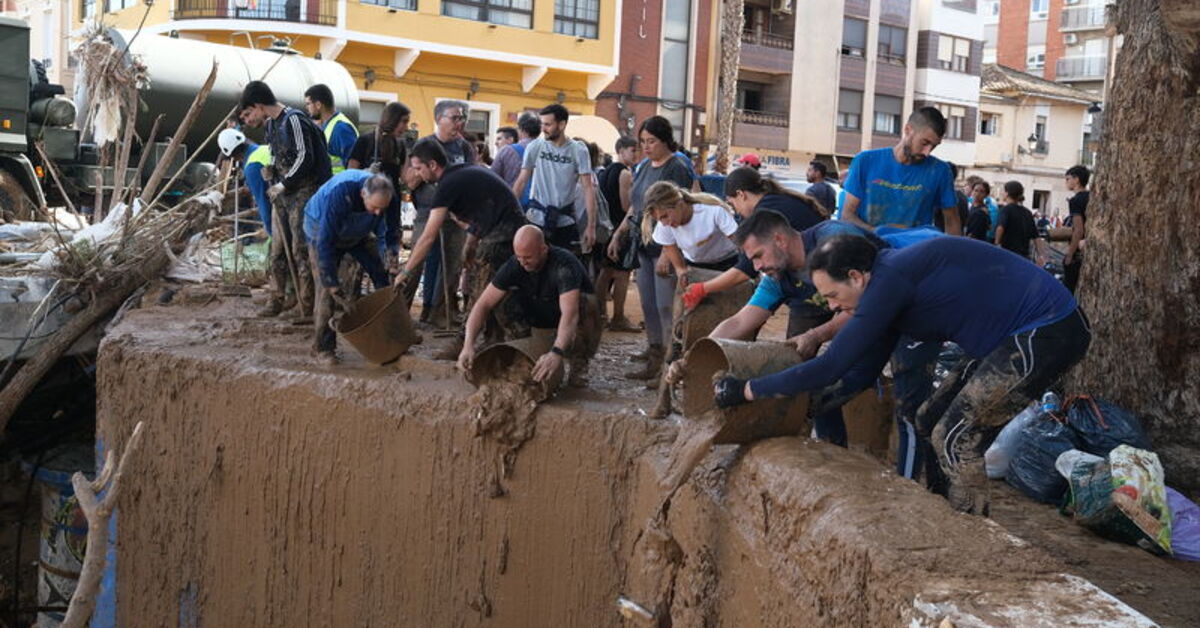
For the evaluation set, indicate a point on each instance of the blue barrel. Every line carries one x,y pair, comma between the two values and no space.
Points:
63,529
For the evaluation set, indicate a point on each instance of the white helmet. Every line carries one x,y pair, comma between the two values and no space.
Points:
229,139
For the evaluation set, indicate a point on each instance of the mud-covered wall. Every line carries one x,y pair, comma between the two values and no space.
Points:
273,496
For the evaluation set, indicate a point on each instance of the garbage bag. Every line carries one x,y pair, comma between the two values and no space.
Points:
999,454
1185,526
1139,492
1101,426
1038,446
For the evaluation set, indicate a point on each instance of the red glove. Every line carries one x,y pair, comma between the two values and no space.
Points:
694,294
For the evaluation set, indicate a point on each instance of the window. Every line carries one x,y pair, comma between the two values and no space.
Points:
517,13
1036,61
954,53
849,115
750,96
404,5
993,8
89,8
117,5
989,124
955,120
479,121
580,18
1039,8
676,33
893,42
887,114
854,37
1039,128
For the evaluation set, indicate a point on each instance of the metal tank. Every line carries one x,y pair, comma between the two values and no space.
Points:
177,69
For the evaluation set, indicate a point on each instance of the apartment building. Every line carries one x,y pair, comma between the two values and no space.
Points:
667,67
1031,130
1058,40
823,80
949,61
502,56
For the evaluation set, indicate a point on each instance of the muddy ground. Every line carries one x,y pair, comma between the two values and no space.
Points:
1163,589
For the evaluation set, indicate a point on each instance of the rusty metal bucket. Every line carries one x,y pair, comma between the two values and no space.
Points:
756,420
501,361
378,326
702,320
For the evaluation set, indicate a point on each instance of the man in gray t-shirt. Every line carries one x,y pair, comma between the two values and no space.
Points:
553,165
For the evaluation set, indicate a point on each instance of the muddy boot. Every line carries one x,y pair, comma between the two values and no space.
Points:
326,358
966,496
450,351
271,309
654,359
622,324
641,356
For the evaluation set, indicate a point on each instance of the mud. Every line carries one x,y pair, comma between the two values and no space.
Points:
276,493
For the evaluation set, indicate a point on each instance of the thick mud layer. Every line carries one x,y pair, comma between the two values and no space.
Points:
272,492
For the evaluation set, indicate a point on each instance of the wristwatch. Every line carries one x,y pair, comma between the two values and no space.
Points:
556,351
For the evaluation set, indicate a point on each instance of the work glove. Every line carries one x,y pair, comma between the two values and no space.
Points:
730,391
694,294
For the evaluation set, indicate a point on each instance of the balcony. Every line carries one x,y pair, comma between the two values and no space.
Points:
323,12
766,52
1082,68
761,129
1082,19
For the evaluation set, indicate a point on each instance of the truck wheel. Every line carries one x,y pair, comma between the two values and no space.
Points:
15,204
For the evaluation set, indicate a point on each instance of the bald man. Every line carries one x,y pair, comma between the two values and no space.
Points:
551,292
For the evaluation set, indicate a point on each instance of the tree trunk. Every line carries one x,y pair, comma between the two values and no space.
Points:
1141,275
732,20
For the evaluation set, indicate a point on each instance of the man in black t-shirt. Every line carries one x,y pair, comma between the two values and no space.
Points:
1077,181
482,201
553,293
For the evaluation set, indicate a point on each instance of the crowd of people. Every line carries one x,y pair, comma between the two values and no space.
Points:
546,234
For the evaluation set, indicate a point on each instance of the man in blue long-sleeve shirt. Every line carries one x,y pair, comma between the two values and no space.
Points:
346,217
300,164
1019,327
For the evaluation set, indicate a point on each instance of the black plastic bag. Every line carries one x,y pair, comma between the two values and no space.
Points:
1102,426
1038,447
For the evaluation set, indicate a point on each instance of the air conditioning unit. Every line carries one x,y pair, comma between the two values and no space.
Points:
781,6
1070,39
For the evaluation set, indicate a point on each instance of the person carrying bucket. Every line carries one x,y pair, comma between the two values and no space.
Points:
346,217
553,292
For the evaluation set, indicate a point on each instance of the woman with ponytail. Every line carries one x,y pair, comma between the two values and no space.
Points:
693,228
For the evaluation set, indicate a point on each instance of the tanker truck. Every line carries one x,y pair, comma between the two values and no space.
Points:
33,109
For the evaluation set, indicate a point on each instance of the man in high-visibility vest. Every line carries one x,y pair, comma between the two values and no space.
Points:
253,157
340,132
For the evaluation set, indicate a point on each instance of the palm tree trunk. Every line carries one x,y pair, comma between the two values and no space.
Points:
732,23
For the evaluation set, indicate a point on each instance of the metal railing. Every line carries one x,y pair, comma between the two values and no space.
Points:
1082,18
322,12
762,118
1081,68
769,40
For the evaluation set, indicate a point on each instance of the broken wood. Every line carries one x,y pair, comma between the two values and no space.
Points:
98,512
109,292
160,169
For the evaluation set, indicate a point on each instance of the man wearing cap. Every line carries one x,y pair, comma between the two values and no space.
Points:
751,160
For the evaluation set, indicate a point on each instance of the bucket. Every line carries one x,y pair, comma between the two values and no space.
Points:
63,530
717,307
378,326
500,360
763,418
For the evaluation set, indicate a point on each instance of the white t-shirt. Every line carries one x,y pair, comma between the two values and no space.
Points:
705,238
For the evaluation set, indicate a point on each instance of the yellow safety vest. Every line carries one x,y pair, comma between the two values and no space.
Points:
260,155
335,160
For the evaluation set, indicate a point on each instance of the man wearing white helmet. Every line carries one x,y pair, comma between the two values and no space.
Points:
234,145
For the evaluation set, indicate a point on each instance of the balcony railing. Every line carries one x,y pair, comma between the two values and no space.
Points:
322,12
1079,68
769,40
762,118
1082,18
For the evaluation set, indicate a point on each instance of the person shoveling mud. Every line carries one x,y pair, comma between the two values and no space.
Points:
551,291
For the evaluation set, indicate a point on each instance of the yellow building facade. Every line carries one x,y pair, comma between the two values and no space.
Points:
501,56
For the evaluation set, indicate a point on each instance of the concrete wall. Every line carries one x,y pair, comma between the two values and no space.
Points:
815,62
